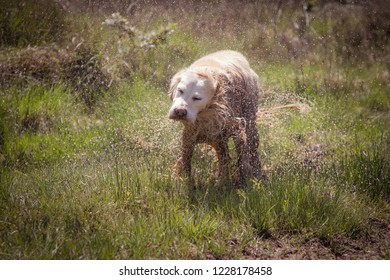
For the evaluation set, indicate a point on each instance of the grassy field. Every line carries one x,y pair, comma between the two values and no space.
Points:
86,149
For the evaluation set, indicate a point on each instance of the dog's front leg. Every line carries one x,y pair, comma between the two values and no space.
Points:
183,164
222,150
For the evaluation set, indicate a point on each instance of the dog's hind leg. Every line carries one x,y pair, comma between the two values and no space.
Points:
240,141
253,149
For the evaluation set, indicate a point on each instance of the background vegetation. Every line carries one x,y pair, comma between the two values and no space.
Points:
86,149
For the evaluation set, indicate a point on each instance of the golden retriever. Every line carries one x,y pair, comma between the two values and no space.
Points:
216,98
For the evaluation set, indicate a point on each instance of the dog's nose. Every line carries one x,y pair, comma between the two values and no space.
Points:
180,112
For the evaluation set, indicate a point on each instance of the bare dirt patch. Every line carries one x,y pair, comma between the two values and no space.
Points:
374,245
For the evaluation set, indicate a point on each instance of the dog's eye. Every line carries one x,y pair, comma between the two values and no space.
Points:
195,98
180,91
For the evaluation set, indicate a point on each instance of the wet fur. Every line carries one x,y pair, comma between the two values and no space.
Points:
231,113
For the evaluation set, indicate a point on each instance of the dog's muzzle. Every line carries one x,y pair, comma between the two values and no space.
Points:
178,114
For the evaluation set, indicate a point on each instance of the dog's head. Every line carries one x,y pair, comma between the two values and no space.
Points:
190,92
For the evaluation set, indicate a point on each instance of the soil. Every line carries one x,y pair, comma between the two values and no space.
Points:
374,245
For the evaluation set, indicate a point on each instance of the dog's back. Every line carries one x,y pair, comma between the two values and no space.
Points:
223,60
235,65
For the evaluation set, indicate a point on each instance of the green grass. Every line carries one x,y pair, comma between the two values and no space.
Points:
44,124
117,199
92,180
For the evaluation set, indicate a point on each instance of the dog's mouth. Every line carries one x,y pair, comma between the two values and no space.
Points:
184,118
177,118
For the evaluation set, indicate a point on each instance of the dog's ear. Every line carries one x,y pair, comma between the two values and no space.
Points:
212,79
219,81
174,82
217,86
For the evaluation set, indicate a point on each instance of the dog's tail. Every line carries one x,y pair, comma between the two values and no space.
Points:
303,108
